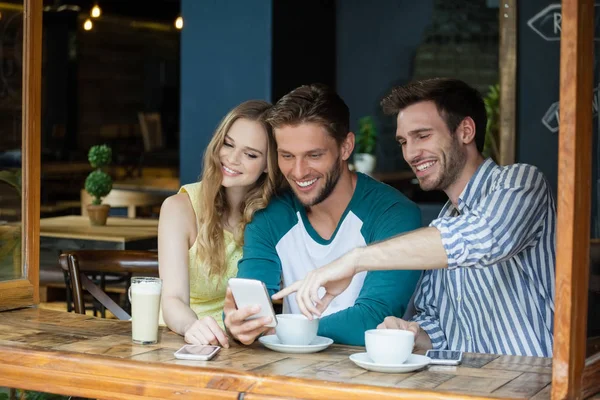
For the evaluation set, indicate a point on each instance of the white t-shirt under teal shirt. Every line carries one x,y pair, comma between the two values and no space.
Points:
281,243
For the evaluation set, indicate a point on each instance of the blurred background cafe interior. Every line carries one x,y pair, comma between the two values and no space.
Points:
152,79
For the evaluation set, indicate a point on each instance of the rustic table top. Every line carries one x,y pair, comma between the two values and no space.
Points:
163,184
116,229
57,337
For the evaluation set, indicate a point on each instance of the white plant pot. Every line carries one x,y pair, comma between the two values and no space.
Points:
364,163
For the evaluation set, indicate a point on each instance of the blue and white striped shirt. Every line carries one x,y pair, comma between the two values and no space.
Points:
497,295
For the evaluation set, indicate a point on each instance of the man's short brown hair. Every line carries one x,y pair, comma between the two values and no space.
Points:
316,104
454,99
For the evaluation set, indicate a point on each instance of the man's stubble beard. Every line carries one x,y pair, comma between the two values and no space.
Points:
331,179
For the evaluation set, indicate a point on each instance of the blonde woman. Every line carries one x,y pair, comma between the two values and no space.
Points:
201,228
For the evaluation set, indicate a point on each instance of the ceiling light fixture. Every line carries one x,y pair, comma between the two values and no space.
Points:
96,11
87,25
179,22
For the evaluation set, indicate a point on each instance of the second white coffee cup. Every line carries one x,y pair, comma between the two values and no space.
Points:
296,329
389,346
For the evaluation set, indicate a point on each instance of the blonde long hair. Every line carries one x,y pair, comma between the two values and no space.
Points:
213,202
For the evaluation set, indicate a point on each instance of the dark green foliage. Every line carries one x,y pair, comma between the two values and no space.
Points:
366,137
100,156
31,395
12,178
98,183
492,108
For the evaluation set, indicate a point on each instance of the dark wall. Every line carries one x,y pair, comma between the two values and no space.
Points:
376,45
303,53
123,71
538,78
59,85
225,59
537,89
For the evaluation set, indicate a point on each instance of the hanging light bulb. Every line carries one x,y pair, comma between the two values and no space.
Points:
179,23
96,11
87,25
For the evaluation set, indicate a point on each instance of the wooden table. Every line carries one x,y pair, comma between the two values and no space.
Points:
163,185
75,354
74,232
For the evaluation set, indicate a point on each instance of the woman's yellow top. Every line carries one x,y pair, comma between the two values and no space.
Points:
207,295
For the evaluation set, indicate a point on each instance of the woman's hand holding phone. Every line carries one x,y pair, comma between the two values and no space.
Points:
206,331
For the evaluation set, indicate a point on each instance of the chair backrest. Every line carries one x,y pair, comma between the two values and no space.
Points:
82,262
124,198
151,128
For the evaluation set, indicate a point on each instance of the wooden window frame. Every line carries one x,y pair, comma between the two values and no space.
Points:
25,291
507,56
574,376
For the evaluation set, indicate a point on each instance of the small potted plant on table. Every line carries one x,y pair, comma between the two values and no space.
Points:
364,153
98,184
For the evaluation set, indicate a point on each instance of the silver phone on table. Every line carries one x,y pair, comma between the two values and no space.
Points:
444,357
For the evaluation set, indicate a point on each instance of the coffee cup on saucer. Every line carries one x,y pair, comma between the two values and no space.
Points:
296,329
389,346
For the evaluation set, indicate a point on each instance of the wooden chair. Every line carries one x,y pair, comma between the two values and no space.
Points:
121,263
151,128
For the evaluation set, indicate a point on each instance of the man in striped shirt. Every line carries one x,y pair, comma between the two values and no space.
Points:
489,258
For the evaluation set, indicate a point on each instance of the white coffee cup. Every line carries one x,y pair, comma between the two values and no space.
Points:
144,294
389,346
296,329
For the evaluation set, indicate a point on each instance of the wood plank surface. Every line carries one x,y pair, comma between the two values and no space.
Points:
574,197
116,229
38,346
16,293
147,184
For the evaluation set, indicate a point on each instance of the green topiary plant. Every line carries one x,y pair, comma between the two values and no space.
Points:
492,108
366,137
98,183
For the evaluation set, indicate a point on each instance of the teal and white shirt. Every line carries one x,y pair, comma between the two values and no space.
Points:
281,243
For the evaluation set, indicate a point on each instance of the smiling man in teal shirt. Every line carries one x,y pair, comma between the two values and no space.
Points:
328,211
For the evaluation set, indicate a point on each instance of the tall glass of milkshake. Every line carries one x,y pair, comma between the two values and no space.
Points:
144,295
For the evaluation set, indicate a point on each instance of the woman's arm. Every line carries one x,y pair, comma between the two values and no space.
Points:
176,234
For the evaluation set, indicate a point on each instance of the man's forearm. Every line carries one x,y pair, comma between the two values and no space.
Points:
423,341
421,249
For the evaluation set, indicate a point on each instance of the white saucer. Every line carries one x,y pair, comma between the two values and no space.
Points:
272,342
414,362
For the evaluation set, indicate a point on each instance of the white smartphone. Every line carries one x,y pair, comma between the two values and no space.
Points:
444,357
249,292
197,352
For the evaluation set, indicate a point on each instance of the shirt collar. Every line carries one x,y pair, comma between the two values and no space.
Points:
472,192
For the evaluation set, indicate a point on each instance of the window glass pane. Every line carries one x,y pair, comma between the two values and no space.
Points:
11,63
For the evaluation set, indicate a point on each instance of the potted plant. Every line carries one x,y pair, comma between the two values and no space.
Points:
492,108
364,152
98,183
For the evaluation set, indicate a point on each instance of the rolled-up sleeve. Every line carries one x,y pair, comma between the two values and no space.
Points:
427,315
504,222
